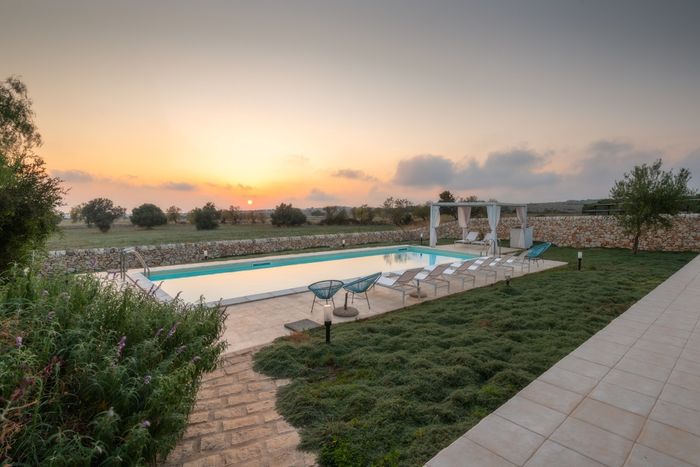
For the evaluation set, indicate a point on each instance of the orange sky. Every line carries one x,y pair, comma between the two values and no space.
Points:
317,103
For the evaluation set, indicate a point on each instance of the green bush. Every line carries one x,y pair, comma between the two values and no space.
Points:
102,212
90,375
286,214
148,215
205,218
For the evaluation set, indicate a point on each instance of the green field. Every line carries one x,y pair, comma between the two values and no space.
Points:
396,389
125,234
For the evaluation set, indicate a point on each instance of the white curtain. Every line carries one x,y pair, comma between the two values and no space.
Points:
494,214
464,213
436,216
521,212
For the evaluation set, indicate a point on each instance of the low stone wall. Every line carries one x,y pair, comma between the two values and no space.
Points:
594,231
573,231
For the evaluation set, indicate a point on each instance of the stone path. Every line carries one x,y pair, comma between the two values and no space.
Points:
628,396
235,422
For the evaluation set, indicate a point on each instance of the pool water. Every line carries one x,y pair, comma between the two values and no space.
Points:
275,276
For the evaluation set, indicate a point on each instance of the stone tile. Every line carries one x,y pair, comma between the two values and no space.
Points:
531,415
610,418
583,367
677,416
670,441
616,337
663,349
642,456
688,366
506,439
642,368
209,461
686,380
552,454
666,339
591,441
680,396
568,380
647,386
597,355
551,396
654,358
622,398
456,453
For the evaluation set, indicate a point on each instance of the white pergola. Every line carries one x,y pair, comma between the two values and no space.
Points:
493,212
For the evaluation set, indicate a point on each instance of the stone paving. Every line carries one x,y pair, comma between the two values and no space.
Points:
628,396
234,422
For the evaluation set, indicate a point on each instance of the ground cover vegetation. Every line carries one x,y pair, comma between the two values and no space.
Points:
395,389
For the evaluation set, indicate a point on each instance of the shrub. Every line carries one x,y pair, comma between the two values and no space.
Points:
205,218
29,197
102,212
148,215
173,214
96,376
286,214
335,215
398,211
363,214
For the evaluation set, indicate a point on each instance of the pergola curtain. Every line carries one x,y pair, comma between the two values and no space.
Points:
521,212
494,215
464,213
436,216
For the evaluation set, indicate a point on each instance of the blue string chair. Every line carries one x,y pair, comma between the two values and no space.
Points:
362,286
324,290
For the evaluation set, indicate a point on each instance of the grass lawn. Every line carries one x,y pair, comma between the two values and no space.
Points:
396,389
125,234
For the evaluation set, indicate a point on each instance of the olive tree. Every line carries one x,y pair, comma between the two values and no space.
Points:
29,196
206,217
102,212
647,197
148,215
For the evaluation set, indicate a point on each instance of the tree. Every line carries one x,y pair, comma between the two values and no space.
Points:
102,212
76,213
477,211
173,214
398,211
648,197
206,217
29,197
286,214
148,215
422,211
447,197
231,215
335,215
363,214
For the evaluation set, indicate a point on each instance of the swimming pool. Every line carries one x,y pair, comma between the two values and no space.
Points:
246,280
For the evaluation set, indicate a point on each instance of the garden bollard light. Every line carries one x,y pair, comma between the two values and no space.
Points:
206,254
327,321
580,258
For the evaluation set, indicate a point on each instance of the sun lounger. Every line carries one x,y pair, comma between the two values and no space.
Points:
432,277
400,282
470,238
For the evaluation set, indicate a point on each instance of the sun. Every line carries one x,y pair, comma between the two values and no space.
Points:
250,201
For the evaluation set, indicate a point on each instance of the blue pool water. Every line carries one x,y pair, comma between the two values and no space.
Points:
265,275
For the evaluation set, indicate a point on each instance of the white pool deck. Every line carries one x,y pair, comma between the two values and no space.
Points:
256,323
628,396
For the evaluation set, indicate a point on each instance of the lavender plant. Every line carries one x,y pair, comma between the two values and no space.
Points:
87,377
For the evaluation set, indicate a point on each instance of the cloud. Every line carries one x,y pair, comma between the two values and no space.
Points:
318,195
517,168
353,174
425,170
178,186
75,176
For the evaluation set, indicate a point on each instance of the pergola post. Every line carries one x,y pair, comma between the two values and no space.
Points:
434,214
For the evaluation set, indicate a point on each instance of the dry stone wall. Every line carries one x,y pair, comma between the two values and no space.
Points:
571,231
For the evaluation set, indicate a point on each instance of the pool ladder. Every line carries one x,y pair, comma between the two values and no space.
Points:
123,262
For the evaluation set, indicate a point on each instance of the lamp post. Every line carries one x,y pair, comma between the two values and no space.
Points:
580,258
421,239
343,243
327,321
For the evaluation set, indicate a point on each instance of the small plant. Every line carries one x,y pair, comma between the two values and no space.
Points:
148,215
92,375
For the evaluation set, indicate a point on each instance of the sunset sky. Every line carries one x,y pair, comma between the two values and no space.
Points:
330,102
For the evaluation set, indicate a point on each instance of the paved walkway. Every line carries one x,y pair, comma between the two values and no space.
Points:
628,396
235,422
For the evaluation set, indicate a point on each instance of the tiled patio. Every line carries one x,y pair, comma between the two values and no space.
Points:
628,396
260,322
